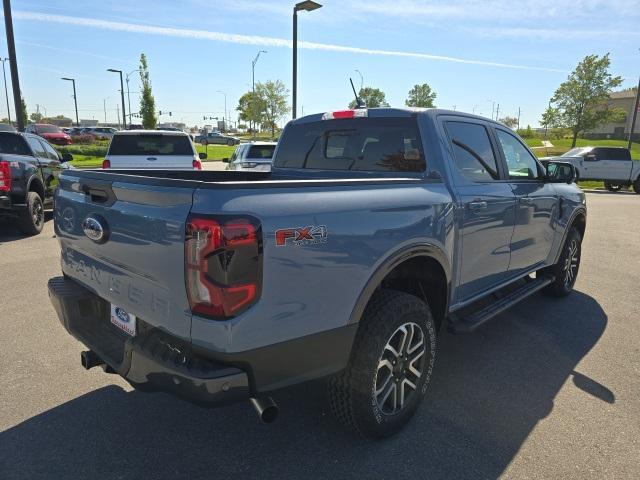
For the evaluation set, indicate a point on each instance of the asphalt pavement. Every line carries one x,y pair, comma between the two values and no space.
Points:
549,389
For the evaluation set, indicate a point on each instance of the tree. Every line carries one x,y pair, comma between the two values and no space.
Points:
273,96
421,96
372,97
511,122
147,102
36,117
251,108
25,119
581,100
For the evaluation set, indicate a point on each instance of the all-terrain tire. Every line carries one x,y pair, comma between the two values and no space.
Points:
31,219
566,270
636,185
352,393
612,187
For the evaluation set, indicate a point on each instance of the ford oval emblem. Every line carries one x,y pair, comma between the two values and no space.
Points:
122,315
94,227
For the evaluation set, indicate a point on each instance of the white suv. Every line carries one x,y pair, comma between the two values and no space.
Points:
252,157
165,150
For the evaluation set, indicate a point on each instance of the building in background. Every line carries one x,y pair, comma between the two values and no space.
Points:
624,100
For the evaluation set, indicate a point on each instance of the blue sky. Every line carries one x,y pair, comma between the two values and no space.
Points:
472,53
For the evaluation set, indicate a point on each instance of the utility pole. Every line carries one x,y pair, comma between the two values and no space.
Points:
15,81
6,94
518,118
497,111
635,115
104,105
118,114
75,100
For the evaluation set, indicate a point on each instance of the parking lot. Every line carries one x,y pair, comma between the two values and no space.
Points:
548,389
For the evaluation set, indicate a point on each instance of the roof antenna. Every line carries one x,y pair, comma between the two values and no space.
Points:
359,102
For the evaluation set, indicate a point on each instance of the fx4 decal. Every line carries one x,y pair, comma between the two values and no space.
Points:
312,235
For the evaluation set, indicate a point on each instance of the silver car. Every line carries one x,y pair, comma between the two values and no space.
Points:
252,157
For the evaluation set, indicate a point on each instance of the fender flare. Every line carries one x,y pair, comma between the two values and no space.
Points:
392,261
41,188
572,219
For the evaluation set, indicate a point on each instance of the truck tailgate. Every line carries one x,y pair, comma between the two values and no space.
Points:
138,264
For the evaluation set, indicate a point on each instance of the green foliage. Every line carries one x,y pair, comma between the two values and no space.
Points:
251,107
147,102
511,122
526,132
581,100
372,97
421,96
36,117
91,150
274,97
25,120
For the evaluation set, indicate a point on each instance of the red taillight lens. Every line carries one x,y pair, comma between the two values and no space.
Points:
197,164
222,265
106,163
5,176
360,112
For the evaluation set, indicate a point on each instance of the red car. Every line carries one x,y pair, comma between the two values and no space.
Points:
51,133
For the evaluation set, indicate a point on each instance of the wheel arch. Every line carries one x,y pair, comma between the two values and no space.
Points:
35,185
422,270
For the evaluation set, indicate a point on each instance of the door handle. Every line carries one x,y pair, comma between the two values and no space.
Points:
477,205
152,159
526,200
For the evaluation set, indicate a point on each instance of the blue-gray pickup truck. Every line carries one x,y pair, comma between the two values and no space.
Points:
375,229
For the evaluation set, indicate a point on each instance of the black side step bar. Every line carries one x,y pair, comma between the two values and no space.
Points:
474,320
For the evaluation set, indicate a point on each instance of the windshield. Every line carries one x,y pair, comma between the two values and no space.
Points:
576,152
264,152
358,144
48,129
151,145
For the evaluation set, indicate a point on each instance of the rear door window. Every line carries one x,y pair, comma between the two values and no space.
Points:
37,147
358,144
12,144
150,144
473,154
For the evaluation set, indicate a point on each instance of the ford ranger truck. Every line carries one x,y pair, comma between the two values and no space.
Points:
375,229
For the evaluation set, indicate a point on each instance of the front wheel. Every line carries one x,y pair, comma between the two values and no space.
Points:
390,366
566,270
636,185
230,143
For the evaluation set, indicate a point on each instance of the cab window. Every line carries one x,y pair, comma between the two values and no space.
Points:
521,165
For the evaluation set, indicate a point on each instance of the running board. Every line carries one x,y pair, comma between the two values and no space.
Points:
474,320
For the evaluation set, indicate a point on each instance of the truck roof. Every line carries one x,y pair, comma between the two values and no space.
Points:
150,132
381,112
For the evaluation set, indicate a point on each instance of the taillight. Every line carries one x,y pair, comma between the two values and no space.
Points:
360,112
106,163
5,176
223,265
197,164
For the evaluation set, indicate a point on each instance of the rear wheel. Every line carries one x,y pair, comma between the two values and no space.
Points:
566,270
636,185
230,143
31,219
390,366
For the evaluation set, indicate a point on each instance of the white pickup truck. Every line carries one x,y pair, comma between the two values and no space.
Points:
613,165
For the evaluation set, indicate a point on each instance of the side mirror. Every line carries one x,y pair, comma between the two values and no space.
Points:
67,157
590,158
561,172
202,155
225,160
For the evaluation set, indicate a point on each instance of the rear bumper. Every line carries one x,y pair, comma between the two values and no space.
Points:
5,204
151,360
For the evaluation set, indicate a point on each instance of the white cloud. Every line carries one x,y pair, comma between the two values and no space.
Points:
253,39
552,34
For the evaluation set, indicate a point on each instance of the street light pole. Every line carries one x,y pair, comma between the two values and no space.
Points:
75,100
361,79
253,83
224,117
308,6
6,93
124,113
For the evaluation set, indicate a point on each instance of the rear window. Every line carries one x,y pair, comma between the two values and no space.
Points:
150,145
13,145
264,152
358,144
48,129
612,153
